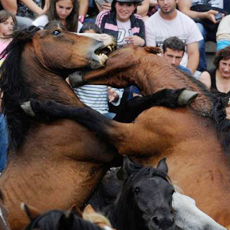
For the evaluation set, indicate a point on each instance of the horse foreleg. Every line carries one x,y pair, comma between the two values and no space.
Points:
168,98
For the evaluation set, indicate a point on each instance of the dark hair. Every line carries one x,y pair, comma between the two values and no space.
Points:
223,54
113,9
71,20
4,15
173,43
90,26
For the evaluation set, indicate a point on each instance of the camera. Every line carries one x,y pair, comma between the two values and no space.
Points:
218,17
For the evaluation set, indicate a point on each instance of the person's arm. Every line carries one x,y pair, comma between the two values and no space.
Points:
206,79
185,5
153,3
32,6
143,8
83,9
10,5
193,56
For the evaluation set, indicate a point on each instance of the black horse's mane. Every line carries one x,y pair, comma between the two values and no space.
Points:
124,207
14,87
59,220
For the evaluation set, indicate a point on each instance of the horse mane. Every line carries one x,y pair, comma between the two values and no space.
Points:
15,89
124,208
59,220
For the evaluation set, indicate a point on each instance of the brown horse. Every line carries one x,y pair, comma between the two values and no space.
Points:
4,225
51,165
186,137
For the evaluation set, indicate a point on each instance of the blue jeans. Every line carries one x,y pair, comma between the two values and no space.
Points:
203,62
3,142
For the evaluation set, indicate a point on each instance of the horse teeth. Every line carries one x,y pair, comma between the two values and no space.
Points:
110,48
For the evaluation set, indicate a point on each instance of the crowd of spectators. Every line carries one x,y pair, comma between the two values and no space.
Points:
179,27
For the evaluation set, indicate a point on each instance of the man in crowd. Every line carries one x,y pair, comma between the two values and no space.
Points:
168,22
173,52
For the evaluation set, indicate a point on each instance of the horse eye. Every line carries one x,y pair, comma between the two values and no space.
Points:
136,191
56,32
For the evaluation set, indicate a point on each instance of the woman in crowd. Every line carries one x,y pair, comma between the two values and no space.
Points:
65,11
218,79
7,22
122,22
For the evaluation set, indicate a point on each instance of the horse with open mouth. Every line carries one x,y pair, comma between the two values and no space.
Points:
51,165
197,158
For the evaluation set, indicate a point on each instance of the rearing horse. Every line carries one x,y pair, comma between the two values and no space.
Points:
186,137
56,164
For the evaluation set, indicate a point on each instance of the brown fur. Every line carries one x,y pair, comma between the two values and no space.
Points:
57,163
186,137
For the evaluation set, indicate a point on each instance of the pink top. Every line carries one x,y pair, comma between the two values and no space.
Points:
4,44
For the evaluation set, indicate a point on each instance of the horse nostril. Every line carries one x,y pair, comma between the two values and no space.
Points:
156,221
163,222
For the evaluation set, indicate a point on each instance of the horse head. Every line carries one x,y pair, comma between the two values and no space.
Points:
145,199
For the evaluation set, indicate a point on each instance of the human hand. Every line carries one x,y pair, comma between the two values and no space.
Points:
211,15
112,95
135,40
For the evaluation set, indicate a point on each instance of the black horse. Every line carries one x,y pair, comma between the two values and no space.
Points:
144,201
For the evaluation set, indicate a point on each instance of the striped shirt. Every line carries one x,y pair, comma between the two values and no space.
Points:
96,96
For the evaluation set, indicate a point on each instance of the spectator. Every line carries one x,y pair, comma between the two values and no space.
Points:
173,52
223,33
65,11
25,10
7,22
125,27
218,79
142,9
168,22
97,96
204,13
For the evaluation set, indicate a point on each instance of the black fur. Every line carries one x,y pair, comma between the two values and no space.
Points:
59,220
15,89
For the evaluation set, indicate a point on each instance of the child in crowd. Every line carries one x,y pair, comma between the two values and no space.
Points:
65,11
97,96
7,22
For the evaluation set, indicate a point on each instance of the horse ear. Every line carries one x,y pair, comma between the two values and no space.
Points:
74,209
89,209
31,212
123,172
162,166
66,221
153,50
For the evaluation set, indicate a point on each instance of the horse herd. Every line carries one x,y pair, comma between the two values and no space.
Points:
59,150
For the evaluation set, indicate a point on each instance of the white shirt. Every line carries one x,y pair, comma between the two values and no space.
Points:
158,29
124,30
42,20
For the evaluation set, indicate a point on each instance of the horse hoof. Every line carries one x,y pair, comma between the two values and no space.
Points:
76,79
26,107
186,97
